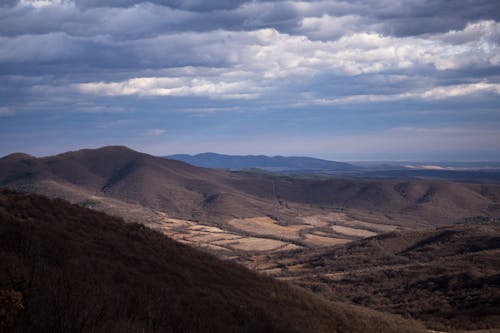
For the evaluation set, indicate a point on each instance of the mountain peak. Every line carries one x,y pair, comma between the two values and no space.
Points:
17,156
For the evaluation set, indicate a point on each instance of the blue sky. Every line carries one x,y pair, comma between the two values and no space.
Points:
344,80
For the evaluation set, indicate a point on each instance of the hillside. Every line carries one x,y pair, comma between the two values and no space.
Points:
215,196
272,163
65,268
448,277
118,172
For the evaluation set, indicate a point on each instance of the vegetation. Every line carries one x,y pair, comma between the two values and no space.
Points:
11,303
90,203
481,219
330,207
71,269
448,277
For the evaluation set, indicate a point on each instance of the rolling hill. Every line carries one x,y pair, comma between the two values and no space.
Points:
65,268
119,176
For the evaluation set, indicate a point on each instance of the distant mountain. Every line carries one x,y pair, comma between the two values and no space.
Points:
65,268
271,163
484,172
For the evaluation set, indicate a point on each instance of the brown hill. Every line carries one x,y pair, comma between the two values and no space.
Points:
64,268
416,201
448,277
118,172
214,196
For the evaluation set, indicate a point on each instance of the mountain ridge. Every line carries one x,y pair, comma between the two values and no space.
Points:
213,195
239,162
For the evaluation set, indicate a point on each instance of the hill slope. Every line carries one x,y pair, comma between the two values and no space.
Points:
448,277
215,196
71,269
118,172
276,163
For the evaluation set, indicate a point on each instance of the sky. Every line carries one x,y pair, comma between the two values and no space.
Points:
343,80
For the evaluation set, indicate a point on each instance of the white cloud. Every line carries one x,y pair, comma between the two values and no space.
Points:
251,62
44,3
437,93
157,132
168,86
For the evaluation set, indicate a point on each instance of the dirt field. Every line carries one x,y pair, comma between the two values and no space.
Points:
264,234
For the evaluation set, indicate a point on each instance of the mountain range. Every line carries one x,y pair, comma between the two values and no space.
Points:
485,172
271,163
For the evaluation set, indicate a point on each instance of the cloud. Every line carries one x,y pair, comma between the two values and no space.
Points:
166,86
437,93
245,65
6,111
196,5
310,18
93,108
156,132
402,18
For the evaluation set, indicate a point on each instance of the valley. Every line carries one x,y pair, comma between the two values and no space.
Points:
247,236
374,243
112,276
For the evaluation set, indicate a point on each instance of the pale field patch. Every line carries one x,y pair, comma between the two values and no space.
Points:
267,226
337,218
297,268
317,231
214,247
314,240
316,220
206,228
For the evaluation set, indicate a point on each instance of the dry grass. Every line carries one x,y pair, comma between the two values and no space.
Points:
267,226
319,241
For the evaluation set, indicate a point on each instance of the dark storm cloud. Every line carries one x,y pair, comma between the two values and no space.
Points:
419,17
58,53
194,5
134,19
144,20
248,45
